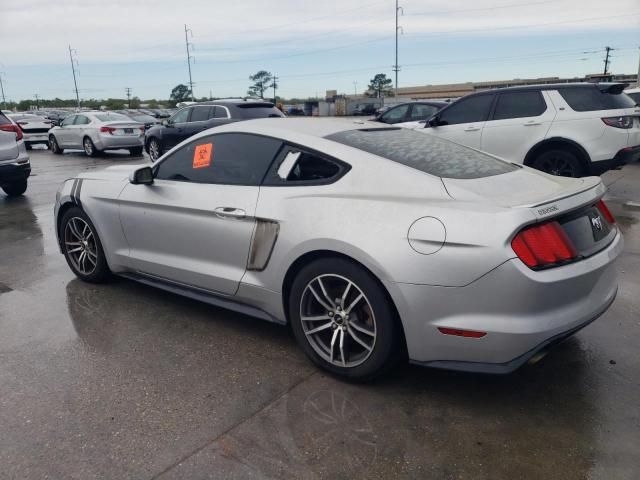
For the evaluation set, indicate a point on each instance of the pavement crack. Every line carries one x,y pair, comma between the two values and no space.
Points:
264,407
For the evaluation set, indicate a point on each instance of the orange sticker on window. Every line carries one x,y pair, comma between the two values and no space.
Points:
202,155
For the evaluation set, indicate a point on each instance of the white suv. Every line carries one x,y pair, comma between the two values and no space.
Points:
570,129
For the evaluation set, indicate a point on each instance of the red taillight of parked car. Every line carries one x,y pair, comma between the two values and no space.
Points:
107,130
604,210
619,122
10,127
543,245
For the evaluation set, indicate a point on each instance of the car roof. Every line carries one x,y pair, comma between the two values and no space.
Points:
310,126
603,86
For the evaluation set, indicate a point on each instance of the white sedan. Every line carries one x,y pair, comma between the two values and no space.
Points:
34,128
95,132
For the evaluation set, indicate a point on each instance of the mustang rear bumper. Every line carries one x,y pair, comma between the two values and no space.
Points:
522,312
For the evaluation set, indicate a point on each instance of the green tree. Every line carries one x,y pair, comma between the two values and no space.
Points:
381,85
262,81
135,102
180,93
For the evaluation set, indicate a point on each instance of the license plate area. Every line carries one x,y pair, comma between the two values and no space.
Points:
128,131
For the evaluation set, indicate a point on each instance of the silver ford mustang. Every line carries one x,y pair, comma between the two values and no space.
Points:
374,243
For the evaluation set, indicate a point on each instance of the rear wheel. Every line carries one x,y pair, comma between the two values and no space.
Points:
135,151
155,149
559,162
15,189
343,320
82,248
89,147
53,144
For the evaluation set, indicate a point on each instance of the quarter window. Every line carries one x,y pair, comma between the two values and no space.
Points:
519,104
299,167
467,110
589,99
220,112
228,158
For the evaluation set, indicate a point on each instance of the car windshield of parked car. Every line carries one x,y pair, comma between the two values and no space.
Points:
592,99
424,152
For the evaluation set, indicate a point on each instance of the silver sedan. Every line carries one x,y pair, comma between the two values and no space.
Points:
95,132
374,243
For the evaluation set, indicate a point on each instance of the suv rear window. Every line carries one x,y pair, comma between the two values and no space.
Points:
258,110
424,152
592,99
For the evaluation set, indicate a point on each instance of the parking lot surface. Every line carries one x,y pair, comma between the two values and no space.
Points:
124,381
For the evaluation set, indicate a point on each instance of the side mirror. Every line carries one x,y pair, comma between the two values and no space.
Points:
434,121
166,122
141,176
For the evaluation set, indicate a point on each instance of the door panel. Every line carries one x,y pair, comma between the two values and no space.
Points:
530,116
174,231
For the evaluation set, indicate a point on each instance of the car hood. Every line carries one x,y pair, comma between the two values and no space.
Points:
524,187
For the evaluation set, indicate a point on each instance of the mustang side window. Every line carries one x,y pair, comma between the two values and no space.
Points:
298,166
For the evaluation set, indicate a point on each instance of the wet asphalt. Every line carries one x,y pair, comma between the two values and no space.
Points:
124,381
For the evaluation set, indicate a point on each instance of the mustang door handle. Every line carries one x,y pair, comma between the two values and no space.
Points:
230,212
472,129
530,124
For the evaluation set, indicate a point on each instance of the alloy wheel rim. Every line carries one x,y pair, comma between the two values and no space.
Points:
88,148
80,245
338,320
559,167
154,150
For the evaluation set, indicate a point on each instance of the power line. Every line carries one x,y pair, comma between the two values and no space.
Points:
480,9
189,57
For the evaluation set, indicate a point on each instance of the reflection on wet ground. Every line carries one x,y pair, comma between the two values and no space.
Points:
124,381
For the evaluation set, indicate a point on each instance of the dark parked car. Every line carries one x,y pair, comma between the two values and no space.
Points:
193,119
137,116
410,112
365,110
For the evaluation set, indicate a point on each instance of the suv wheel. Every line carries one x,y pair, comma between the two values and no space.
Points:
82,248
343,320
53,144
155,149
558,162
15,189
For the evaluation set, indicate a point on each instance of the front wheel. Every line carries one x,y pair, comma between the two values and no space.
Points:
89,147
82,248
343,320
53,145
15,189
558,162
135,151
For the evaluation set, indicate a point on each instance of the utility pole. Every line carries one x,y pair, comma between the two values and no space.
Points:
4,101
275,85
396,67
355,88
606,60
128,97
74,62
37,103
637,78
189,57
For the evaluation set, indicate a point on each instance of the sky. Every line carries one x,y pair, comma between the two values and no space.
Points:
312,46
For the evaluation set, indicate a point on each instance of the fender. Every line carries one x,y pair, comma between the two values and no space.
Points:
538,146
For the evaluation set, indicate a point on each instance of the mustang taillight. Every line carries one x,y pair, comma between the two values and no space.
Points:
543,245
604,210
10,127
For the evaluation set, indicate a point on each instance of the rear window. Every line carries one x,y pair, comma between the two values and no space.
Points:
258,110
592,99
108,117
424,152
635,97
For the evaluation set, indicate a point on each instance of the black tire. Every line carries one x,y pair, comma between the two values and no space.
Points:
559,162
154,147
53,145
386,345
89,148
15,189
97,273
135,151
